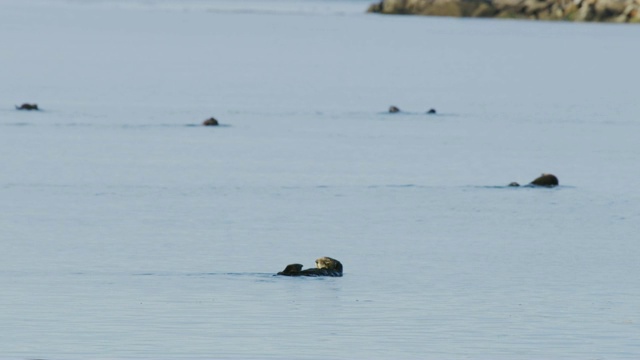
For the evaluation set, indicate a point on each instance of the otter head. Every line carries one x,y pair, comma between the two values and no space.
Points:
210,122
27,106
548,180
329,263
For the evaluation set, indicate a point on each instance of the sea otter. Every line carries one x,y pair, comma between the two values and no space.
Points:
393,109
325,266
26,106
546,180
210,122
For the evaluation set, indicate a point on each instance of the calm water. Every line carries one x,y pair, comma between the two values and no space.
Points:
129,232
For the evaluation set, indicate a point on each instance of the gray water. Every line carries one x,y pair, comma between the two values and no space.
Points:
128,231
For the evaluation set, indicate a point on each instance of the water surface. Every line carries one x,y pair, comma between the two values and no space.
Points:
130,232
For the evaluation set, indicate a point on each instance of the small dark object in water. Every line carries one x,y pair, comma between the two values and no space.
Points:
291,269
26,106
325,266
393,109
210,122
548,180
431,111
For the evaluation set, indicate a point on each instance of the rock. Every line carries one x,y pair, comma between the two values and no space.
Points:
445,8
484,10
574,10
534,7
325,266
392,6
633,13
393,109
514,184
26,106
569,12
431,111
548,180
210,122
608,10
586,11
375,8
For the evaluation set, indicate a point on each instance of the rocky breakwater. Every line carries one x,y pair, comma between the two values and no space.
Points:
620,11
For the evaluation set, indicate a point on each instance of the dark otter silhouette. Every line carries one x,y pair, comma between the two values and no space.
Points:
325,266
26,106
210,122
393,109
546,180
431,111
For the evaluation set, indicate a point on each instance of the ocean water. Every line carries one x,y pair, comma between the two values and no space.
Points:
129,231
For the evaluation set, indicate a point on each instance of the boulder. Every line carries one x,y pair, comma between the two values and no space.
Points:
534,7
484,10
608,10
393,109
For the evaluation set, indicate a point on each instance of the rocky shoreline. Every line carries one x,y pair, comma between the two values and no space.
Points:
618,11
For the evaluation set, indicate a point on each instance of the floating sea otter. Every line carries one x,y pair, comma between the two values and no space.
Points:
26,106
210,122
546,180
325,266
